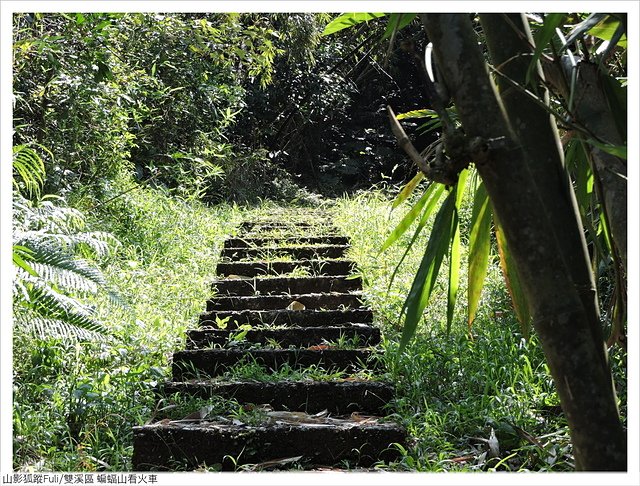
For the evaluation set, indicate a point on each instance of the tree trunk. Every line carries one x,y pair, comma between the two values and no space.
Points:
593,112
520,176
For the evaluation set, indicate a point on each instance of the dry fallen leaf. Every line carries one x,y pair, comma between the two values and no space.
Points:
319,347
295,305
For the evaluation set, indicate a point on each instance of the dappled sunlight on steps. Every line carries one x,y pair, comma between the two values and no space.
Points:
287,345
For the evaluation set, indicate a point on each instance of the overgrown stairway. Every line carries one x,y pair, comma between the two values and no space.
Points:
285,301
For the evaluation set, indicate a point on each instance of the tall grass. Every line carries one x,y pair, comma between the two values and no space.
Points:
457,393
461,392
75,402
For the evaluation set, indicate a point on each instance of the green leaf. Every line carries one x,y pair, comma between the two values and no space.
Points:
479,248
583,27
425,279
512,279
347,20
435,198
454,270
408,219
617,99
619,151
608,29
543,38
398,21
417,114
407,190
454,254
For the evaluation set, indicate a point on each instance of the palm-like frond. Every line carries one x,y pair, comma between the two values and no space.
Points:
50,274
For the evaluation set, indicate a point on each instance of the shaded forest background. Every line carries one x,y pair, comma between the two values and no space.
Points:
218,106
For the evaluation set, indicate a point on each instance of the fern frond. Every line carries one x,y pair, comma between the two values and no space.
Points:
56,328
47,302
51,262
28,170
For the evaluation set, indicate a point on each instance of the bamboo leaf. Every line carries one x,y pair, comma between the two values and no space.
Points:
610,29
417,114
408,218
347,20
479,248
398,21
619,151
435,198
583,27
542,39
407,190
510,274
454,269
425,278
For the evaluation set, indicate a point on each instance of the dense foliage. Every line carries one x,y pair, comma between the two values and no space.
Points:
135,132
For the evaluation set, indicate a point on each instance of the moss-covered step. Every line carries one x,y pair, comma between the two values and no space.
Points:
296,252
337,397
287,285
313,267
360,334
302,318
191,363
175,446
255,242
330,301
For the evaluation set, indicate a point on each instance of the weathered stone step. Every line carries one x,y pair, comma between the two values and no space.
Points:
297,252
360,334
165,446
254,242
338,397
301,318
272,302
213,362
287,285
257,268
289,224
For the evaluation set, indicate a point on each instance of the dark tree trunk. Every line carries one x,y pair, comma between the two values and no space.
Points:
529,191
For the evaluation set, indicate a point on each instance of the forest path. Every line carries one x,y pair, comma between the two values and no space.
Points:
282,371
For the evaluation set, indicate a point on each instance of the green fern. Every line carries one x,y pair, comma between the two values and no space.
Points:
51,252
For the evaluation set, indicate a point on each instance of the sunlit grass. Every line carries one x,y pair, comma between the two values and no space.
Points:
75,404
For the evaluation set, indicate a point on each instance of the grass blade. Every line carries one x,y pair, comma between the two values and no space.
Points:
425,279
479,247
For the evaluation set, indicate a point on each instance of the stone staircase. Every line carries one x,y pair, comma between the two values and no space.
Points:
285,299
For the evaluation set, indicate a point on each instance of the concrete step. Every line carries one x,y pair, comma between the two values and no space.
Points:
272,252
287,285
313,267
300,318
255,242
191,363
175,446
272,302
338,397
361,334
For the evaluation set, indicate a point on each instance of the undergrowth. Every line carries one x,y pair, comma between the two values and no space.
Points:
76,402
